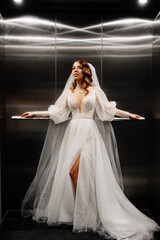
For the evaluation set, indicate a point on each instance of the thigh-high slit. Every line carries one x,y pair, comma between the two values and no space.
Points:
74,173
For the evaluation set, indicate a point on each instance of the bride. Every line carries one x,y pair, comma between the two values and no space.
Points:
78,179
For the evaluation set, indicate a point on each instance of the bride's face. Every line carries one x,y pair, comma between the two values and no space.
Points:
77,71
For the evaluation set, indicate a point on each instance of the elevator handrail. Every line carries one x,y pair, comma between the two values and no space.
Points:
47,118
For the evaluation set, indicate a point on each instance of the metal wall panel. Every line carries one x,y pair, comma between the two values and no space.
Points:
76,40
127,68
2,103
127,61
30,67
30,83
155,122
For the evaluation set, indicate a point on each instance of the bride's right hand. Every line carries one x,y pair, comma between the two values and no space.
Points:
28,114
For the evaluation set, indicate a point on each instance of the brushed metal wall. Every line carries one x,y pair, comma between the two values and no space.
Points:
30,84
127,68
155,121
38,59
2,103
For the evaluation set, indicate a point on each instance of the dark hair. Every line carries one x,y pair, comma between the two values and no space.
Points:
87,74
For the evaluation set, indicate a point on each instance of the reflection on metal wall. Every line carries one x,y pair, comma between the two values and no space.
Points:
127,67
2,99
29,77
76,41
30,67
39,55
155,134
156,71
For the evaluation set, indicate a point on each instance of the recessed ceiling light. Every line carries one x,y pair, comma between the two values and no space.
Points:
18,1
143,2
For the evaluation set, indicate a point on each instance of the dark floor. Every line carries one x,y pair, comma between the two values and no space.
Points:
14,227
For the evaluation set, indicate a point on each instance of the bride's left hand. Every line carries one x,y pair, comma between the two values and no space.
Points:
134,116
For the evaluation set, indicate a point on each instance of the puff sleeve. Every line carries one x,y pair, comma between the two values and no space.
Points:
59,112
104,109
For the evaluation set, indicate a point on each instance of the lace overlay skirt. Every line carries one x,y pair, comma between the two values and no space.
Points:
99,203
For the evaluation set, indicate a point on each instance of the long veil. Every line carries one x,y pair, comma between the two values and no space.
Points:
52,145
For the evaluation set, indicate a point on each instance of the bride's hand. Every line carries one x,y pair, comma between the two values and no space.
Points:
28,114
134,116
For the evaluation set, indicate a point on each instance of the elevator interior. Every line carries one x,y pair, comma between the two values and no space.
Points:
37,51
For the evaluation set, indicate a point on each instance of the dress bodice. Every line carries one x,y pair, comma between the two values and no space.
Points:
86,110
95,103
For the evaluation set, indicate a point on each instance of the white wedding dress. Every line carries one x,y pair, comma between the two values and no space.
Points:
99,203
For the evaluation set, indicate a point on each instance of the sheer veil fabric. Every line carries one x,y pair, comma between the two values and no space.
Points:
51,145
40,189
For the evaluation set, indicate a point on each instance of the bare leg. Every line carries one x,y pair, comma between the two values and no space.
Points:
74,173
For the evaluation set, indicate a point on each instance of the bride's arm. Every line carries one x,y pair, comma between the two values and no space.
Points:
36,114
125,114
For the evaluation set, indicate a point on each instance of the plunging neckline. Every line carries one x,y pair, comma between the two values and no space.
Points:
80,106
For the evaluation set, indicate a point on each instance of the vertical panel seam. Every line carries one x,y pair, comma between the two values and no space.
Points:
101,51
55,64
